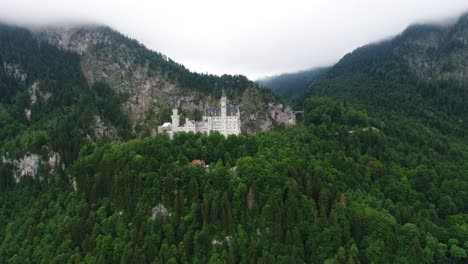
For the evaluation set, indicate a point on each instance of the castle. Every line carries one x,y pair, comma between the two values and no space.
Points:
225,120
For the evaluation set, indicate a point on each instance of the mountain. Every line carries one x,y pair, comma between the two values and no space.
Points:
48,109
153,83
423,68
375,171
63,87
288,84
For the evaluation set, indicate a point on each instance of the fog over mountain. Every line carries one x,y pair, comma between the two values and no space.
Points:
240,37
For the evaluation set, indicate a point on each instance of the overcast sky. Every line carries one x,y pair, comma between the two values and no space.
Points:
251,37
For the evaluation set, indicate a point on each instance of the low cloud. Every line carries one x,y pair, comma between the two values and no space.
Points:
254,38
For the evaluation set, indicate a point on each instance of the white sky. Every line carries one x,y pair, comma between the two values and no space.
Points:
255,38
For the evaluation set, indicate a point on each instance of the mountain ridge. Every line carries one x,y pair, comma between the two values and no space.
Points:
288,84
424,67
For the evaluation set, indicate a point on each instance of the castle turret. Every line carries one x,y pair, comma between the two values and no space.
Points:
223,103
175,119
223,107
223,114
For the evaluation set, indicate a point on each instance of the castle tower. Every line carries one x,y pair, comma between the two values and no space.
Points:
223,114
175,120
223,103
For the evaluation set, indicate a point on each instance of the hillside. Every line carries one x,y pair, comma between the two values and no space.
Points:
376,171
423,68
63,87
341,188
47,109
289,84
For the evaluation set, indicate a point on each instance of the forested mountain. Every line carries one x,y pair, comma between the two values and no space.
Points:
47,108
340,188
290,84
424,68
62,87
376,171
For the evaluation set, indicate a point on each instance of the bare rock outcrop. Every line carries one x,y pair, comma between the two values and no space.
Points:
28,165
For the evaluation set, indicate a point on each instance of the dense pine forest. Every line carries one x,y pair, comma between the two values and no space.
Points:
375,172
341,188
62,106
292,84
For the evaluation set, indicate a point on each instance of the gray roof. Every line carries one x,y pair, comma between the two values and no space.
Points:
216,111
212,111
232,110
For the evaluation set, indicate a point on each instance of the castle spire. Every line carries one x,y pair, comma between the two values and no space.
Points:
223,101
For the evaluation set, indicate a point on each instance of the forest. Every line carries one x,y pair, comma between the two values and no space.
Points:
343,187
289,85
375,171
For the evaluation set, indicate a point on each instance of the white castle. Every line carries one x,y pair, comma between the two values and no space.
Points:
225,120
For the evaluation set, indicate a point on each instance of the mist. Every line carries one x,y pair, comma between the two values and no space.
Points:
253,38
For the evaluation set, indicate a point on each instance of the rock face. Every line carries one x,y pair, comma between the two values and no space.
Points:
77,39
258,116
144,90
102,130
282,114
35,95
25,166
29,164
436,50
15,71
107,56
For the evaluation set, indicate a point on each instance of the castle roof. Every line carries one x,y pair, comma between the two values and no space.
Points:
232,110
212,111
216,111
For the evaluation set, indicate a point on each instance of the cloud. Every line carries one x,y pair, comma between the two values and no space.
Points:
254,38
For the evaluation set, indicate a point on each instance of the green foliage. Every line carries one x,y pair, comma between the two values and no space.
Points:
48,82
375,175
290,84
383,78
314,193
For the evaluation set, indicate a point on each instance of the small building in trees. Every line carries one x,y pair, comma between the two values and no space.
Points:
198,162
